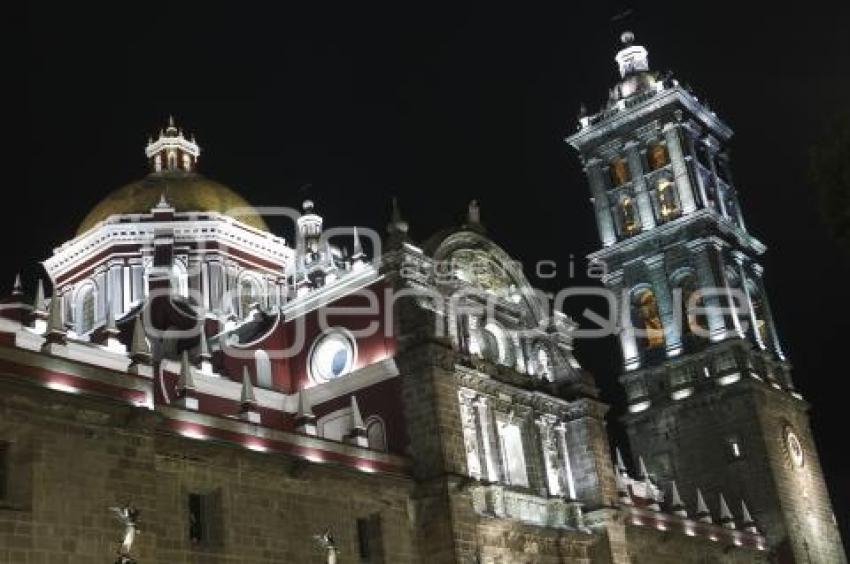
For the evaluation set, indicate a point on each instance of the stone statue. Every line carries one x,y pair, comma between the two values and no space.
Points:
326,542
129,516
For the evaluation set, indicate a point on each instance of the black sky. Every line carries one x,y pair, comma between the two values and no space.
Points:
439,107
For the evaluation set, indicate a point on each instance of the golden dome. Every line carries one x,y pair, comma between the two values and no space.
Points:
184,191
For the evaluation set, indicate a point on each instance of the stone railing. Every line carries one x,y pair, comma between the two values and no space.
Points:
496,500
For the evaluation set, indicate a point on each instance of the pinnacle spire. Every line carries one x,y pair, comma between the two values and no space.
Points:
304,407
356,418
642,468
702,514
398,227
186,382
139,350
55,325
305,420
17,287
248,400
621,466
111,327
622,489
247,397
39,297
747,521
358,429
726,518
676,504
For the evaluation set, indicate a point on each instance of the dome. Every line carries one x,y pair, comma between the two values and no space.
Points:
185,192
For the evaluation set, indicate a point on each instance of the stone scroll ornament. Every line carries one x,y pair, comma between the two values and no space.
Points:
129,517
327,543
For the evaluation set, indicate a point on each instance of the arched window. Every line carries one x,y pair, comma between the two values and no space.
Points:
376,433
264,369
497,345
666,200
84,308
249,294
645,316
693,324
172,161
619,172
629,223
87,304
656,156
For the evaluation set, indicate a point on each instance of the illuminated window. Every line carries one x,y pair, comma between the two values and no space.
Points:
497,345
249,294
648,319
657,156
513,456
628,216
87,311
619,172
332,356
736,451
668,207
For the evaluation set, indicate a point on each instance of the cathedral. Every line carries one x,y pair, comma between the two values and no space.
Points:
188,386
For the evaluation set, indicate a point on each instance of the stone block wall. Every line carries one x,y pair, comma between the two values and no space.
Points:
75,457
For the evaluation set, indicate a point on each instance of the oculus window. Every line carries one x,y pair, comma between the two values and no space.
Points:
332,356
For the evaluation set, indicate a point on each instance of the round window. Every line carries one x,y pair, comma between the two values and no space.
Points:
332,356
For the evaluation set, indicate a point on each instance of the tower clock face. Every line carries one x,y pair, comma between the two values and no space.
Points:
795,449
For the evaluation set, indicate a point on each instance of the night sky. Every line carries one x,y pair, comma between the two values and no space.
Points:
351,106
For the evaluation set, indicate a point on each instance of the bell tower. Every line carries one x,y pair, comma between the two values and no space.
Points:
711,403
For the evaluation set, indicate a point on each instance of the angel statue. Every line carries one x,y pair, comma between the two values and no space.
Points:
326,541
129,516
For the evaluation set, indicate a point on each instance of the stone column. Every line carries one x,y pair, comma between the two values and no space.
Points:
717,250
742,273
680,168
647,216
593,472
569,482
115,287
137,285
601,205
491,465
102,294
471,443
718,189
724,164
549,449
708,279
692,151
193,282
216,282
626,334
774,336
664,300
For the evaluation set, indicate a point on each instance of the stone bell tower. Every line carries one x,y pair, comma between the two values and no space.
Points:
711,403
